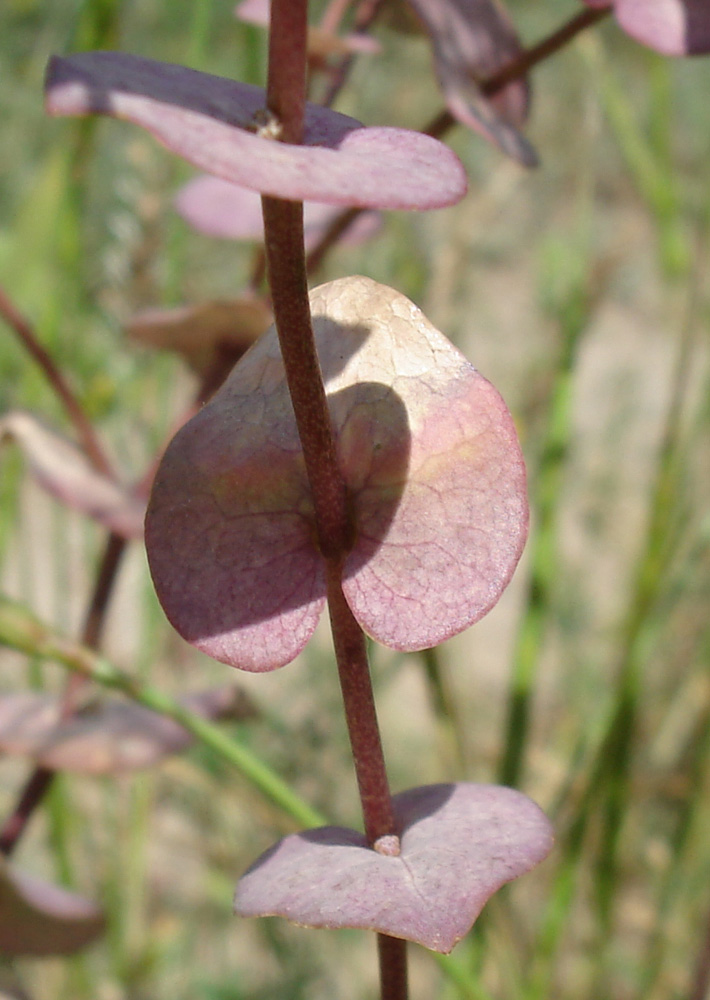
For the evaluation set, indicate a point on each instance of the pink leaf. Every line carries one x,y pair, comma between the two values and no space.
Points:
459,844
106,738
37,918
201,332
472,39
65,472
672,27
213,123
431,460
217,208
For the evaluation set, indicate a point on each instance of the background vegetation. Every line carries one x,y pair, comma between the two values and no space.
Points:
581,291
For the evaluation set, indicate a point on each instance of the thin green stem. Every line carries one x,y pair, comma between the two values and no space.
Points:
20,630
41,779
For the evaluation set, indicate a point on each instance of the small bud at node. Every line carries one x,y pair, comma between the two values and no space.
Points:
389,845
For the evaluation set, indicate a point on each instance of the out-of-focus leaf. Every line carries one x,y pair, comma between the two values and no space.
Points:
214,123
321,44
199,332
459,844
107,737
37,918
672,27
433,468
217,208
472,40
64,471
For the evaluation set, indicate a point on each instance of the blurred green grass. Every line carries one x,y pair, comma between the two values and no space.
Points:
581,291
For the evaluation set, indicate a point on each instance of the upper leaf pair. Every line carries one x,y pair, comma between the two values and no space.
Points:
216,124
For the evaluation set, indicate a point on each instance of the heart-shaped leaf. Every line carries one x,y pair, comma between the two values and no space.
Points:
673,27
214,123
108,737
217,208
37,918
65,472
431,461
459,844
203,331
472,39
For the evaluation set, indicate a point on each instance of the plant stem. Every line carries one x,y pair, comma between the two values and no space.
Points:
21,630
286,87
283,225
543,50
286,263
82,424
285,255
392,953
354,672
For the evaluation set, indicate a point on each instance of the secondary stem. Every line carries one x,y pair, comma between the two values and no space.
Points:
82,424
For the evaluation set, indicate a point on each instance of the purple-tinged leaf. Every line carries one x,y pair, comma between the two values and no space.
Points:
431,460
65,472
217,208
37,918
108,737
459,844
672,27
214,123
472,40
320,43
200,332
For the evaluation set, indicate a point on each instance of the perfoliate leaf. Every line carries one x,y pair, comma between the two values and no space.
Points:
217,125
459,844
431,461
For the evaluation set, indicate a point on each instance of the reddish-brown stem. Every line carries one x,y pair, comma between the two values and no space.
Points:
283,226
393,967
286,264
286,88
40,781
354,671
543,50
85,432
330,237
